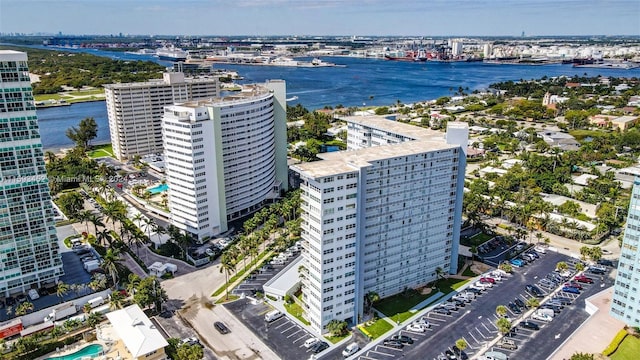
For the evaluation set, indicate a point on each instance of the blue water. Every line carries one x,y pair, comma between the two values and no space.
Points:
361,82
92,350
158,189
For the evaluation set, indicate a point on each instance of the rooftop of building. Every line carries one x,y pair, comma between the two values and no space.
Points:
340,162
168,79
137,332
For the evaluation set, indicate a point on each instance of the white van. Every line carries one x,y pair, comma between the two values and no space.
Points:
351,349
273,316
546,312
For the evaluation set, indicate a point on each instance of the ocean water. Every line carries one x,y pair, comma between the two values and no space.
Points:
360,82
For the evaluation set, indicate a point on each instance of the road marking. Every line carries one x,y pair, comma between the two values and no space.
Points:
557,336
474,338
281,325
381,353
294,333
492,324
300,338
470,347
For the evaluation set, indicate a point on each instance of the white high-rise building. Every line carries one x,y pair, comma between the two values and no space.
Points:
135,110
626,291
381,216
225,157
29,253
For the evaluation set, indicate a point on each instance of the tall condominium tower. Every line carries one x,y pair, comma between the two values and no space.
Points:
135,110
29,254
381,216
626,291
225,157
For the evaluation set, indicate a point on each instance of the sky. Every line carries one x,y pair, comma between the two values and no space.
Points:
323,17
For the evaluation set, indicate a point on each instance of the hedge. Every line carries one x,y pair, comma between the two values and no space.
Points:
620,336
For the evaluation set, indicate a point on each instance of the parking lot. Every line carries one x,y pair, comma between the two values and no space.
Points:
475,322
254,282
285,337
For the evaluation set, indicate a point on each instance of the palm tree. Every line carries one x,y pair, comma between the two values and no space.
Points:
532,302
104,237
61,290
98,282
337,327
159,230
116,300
111,263
227,264
50,156
137,239
461,344
84,216
440,274
579,266
501,310
24,308
96,221
503,325
148,223
371,298
115,210
562,266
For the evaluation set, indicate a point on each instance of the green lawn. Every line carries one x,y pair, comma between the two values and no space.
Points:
581,133
101,151
400,303
476,240
87,92
336,339
468,272
378,328
295,310
628,349
44,97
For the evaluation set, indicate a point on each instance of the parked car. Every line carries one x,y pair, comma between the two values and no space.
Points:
319,346
458,303
416,327
574,284
449,306
423,321
350,349
393,344
540,249
499,272
310,342
529,325
555,303
402,338
517,262
547,283
514,308
482,285
441,310
462,297
507,344
474,290
221,327
541,317
596,271
554,308
563,300
534,253
534,290
191,341
520,303
605,262
487,280
571,290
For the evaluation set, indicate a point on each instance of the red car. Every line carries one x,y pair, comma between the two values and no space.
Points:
574,285
487,280
583,279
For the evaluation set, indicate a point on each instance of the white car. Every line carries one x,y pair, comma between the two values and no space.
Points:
540,249
415,327
541,317
486,285
499,272
310,342
478,286
350,349
423,321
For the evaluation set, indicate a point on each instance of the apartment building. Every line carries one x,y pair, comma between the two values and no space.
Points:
225,157
381,216
135,110
29,253
626,291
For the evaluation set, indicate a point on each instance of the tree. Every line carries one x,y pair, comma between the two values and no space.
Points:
82,135
189,352
532,302
71,203
579,266
371,298
116,300
96,220
24,308
337,327
584,252
149,292
461,344
503,325
506,267
84,216
562,266
61,290
596,253
501,310
227,264
104,237
111,263
94,319
440,274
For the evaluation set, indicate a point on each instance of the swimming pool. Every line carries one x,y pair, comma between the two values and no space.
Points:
91,351
158,189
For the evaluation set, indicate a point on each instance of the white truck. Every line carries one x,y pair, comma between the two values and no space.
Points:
97,301
61,312
91,265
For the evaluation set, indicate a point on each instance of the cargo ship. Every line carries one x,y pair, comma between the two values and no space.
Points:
406,55
171,54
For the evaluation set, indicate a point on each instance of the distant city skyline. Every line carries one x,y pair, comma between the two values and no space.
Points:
323,17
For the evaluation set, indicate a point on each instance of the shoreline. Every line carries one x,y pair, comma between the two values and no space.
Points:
40,107
58,149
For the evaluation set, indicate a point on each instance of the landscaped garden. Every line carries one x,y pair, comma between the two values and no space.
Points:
376,328
629,349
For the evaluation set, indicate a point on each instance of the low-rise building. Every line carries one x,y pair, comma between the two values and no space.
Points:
140,336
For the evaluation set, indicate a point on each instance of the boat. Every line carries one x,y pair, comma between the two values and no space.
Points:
171,54
293,98
283,61
142,52
406,55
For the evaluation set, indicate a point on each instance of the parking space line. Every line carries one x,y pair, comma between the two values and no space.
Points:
381,353
492,324
300,338
467,341
289,328
474,338
281,325
294,333
366,358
